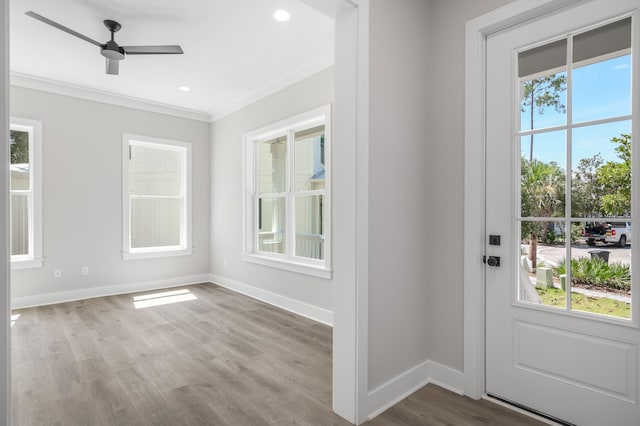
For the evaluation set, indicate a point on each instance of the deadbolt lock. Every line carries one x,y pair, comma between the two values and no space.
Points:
491,260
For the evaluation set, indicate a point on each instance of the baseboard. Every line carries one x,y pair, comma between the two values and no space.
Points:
111,290
397,389
315,313
400,387
304,309
446,377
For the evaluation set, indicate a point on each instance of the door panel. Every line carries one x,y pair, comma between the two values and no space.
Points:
562,337
575,365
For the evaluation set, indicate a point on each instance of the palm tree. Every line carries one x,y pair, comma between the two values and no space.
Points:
542,185
542,195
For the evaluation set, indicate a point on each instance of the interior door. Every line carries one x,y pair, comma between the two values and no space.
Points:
562,337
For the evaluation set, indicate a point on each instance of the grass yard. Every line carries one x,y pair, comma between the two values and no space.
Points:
580,302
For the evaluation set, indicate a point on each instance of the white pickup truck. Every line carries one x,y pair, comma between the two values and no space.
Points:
618,233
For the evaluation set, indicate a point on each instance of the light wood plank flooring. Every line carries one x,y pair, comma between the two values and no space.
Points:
220,359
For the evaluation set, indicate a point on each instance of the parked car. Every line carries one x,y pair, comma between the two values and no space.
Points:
618,233
594,232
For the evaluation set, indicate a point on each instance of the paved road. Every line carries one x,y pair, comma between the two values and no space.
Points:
557,253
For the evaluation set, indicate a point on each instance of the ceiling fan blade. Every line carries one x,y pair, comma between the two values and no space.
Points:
152,50
112,66
62,27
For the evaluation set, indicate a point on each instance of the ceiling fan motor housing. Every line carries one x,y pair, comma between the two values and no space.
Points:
111,50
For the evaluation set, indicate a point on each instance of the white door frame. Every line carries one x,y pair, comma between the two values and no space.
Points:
476,32
5,308
5,304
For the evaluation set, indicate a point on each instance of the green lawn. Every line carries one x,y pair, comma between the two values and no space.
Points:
580,302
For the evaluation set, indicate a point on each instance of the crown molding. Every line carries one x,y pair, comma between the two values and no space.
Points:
284,81
51,86
66,89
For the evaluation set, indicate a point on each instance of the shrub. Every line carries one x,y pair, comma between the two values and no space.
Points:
576,232
597,272
551,237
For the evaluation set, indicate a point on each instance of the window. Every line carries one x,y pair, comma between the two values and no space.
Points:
287,213
26,193
575,192
156,197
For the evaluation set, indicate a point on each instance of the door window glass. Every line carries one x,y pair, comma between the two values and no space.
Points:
575,172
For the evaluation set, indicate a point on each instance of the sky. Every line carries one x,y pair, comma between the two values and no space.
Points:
601,90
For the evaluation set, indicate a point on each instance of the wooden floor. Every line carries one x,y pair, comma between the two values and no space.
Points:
219,359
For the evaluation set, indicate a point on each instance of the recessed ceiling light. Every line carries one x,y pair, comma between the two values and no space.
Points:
184,88
281,15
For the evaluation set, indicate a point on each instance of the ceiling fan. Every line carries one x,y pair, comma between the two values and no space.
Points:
111,50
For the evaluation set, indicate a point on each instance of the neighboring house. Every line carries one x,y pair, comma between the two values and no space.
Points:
19,207
309,175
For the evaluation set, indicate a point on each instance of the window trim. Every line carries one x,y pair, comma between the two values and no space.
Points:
287,261
34,258
185,248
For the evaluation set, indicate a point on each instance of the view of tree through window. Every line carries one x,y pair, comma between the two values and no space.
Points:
19,142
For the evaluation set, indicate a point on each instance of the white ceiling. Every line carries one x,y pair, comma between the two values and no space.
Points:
235,52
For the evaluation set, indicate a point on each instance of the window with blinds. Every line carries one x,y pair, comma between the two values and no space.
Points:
157,187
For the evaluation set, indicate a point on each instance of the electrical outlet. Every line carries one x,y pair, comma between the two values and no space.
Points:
84,270
57,273
224,262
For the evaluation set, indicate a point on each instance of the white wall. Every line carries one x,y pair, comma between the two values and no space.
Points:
446,175
399,144
82,200
227,194
415,216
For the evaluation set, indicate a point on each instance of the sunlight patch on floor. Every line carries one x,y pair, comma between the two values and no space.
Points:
162,298
14,318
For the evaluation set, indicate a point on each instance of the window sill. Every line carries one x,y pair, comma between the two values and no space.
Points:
27,264
151,254
288,265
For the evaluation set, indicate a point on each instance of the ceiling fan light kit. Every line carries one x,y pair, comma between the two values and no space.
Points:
111,50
